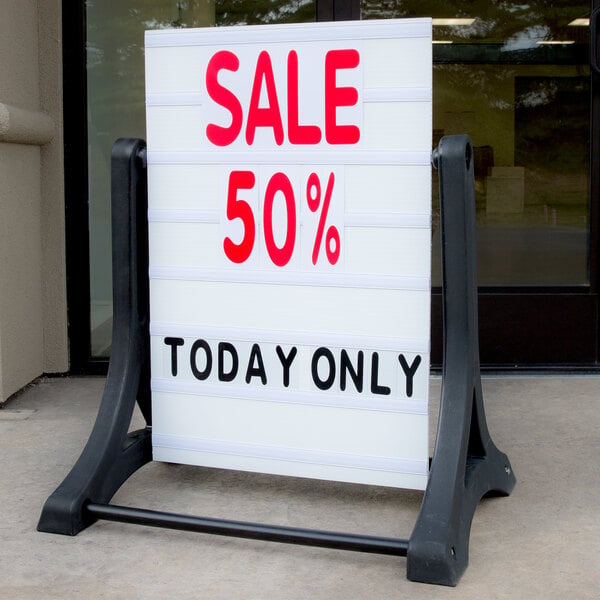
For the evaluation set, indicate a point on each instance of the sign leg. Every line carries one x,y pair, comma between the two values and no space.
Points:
466,464
112,454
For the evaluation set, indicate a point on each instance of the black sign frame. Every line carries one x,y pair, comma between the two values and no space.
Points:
466,465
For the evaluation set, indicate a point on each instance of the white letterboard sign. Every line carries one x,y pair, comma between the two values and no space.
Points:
290,232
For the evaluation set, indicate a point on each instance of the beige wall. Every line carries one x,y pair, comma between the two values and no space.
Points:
33,323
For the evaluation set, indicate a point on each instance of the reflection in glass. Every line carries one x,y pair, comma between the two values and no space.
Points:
514,77
115,96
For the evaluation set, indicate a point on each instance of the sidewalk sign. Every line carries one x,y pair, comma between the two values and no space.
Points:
285,319
290,233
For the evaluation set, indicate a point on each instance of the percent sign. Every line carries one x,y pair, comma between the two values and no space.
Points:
278,186
332,237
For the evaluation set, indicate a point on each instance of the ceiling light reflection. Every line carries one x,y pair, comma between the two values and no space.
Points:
452,22
555,42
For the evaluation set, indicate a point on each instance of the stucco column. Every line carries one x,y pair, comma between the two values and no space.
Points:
33,318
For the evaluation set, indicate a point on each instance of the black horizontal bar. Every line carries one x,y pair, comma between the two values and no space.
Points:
576,54
242,529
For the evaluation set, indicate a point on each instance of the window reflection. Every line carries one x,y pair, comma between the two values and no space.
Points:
514,77
115,95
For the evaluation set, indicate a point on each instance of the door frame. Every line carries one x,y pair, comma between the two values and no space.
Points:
76,174
541,314
501,309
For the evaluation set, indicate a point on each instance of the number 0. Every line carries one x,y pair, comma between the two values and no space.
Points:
280,183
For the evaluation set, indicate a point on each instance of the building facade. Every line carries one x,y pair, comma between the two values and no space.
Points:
33,306
519,79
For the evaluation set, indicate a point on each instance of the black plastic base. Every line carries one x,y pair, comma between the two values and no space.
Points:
112,454
465,466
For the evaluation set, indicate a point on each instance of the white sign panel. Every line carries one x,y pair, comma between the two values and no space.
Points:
290,230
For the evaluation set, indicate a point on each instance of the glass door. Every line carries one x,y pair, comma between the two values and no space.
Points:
115,99
516,78
104,100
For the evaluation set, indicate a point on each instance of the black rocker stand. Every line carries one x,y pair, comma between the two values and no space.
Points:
466,465
111,455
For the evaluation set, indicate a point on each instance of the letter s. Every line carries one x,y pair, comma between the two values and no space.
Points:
218,135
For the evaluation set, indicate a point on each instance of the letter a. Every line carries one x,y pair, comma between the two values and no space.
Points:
264,117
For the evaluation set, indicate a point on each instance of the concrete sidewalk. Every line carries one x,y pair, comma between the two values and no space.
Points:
541,542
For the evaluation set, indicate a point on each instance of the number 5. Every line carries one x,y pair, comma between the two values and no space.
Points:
240,209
